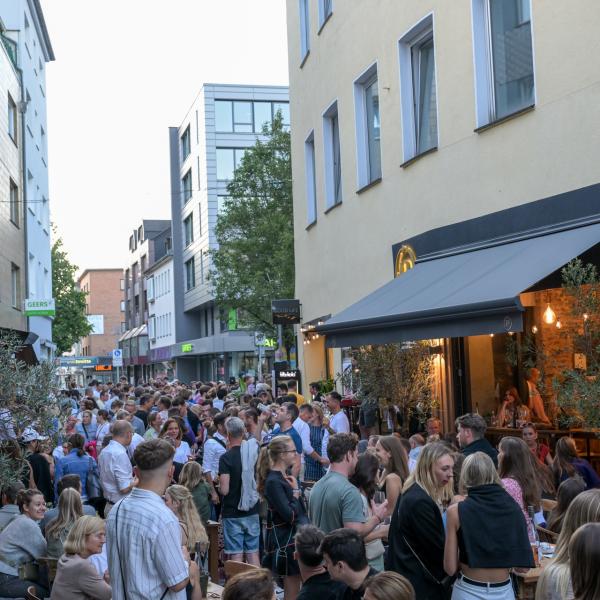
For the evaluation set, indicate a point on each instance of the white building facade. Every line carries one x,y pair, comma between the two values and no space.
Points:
24,23
221,124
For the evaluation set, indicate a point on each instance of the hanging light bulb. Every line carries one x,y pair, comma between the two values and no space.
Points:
534,329
491,335
549,316
585,316
558,324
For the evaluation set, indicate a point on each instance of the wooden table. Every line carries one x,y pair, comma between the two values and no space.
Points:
527,582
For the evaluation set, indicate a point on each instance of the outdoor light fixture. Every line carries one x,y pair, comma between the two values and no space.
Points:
558,324
549,316
534,329
585,316
491,335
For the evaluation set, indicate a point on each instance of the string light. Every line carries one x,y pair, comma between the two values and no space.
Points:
534,329
549,315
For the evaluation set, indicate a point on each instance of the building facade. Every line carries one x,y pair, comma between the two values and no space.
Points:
459,127
12,229
103,306
24,24
205,149
147,244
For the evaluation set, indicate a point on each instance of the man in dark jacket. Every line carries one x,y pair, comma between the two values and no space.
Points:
471,431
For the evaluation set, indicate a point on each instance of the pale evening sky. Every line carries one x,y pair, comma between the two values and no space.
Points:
125,71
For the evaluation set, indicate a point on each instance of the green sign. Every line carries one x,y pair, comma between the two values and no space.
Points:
40,308
232,321
187,347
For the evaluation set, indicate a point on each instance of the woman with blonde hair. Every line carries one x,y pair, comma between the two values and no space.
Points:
76,577
70,508
388,586
416,536
394,460
584,551
191,477
486,534
179,500
319,438
555,580
284,513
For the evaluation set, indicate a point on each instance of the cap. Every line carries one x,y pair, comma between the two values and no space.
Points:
30,435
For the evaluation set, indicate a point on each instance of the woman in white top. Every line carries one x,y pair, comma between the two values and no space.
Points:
173,431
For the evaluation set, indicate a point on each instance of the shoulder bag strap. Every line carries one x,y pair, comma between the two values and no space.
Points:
427,571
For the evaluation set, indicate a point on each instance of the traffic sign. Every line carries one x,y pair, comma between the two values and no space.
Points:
117,357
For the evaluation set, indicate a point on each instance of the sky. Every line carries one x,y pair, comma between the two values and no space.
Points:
125,71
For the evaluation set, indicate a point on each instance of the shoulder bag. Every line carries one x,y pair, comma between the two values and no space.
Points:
93,487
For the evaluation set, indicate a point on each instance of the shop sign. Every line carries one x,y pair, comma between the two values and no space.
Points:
40,308
285,312
187,347
261,340
78,361
288,374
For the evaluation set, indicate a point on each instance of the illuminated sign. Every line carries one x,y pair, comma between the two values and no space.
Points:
187,347
40,308
285,312
405,260
103,368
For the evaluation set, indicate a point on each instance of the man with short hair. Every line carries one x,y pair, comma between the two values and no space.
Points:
136,422
40,468
338,422
136,438
346,561
334,502
315,392
287,413
116,474
434,427
144,549
219,401
316,581
471,431
301,425
241,528
146,404
253,428
10,510
214,447
293,391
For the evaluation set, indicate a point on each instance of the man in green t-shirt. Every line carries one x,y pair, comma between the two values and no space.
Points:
334,502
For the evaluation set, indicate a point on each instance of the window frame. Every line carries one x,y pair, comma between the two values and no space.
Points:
188,175
14,203
186,135
188,241
323,15
235,150
13,123
15,283
190,268
363,155
417,35
485,101
304,11
332,199
310,166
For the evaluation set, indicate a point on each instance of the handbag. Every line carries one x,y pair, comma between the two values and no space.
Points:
93,487
445,583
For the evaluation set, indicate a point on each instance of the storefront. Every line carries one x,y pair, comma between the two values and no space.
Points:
489,294
135,347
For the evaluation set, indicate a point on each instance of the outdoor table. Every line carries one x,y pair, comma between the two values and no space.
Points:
527,582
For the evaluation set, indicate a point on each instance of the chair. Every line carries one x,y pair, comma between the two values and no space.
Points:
546,535
30,594
51,565
233,567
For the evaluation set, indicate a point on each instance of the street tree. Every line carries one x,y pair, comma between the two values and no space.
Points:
254,261
70,323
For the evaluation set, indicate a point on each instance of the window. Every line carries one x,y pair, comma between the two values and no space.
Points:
200,220
12,119
185,144
311,183
14,203
503,58
284,109
201,266
246,116
418,90
221,200
368,152
242,117
325,11
228,159
262,115
304,29
122,284
15,278
188,229
186,185
223,115
152,328
190,274
332,154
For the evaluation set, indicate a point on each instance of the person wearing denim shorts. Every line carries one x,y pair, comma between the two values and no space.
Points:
241,529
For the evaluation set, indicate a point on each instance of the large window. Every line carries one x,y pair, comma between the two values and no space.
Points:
190,274
332,154
368,151
311,182
228,160
304,8
12,119
503,58
246,116
186,186
185,144
188,229
418,90
14,203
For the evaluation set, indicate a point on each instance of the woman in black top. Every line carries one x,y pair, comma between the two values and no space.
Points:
416,536
486,534
285,512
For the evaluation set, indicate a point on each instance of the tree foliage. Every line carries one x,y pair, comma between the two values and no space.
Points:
70,322
254,261
27,399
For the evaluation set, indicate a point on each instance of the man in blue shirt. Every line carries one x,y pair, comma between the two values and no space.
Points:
287,413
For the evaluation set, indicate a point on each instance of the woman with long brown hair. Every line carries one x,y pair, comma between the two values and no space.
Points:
393,458
172,431
284,512
517,471
568,464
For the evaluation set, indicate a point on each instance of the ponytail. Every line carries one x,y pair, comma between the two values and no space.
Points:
268,456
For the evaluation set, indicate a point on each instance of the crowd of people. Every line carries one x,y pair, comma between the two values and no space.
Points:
120,507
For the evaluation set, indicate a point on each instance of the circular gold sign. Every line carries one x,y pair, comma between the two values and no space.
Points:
405,260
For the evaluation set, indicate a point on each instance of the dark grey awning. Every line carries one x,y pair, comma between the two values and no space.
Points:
468,293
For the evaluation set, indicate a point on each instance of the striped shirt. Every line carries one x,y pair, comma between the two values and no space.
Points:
144,548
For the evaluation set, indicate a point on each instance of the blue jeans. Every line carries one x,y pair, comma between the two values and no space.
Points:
241,534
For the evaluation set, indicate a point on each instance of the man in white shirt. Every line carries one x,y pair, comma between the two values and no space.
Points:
301,426
145,557
338,422
136,438
214,448
116,474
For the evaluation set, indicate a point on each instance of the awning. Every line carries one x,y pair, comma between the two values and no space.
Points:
468,293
